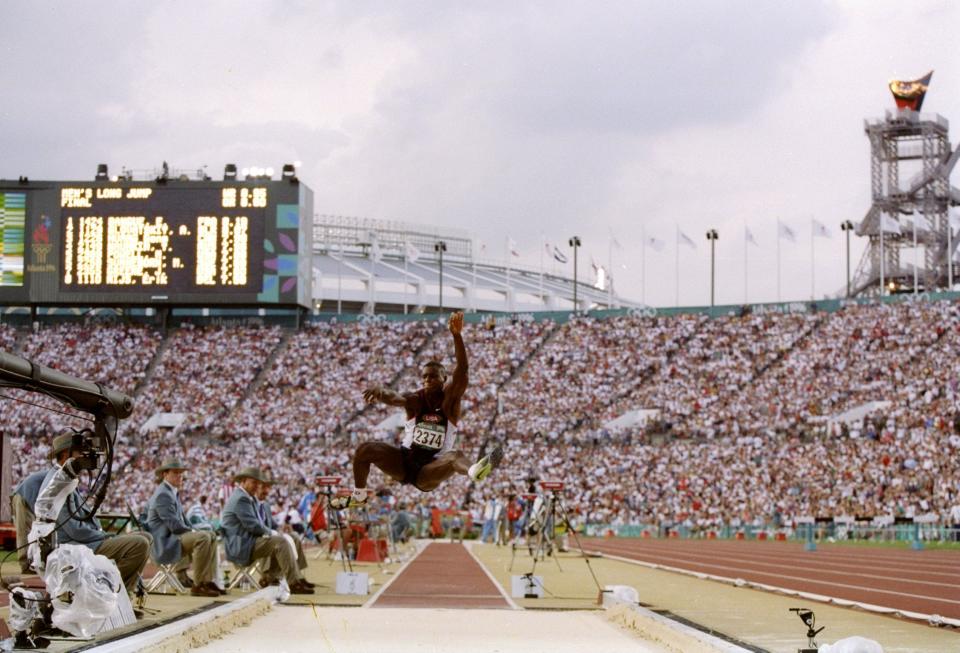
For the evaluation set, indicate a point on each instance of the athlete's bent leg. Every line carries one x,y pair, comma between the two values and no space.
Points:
441,468
386,457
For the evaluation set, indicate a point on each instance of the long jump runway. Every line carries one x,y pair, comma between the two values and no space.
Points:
925,582
443,600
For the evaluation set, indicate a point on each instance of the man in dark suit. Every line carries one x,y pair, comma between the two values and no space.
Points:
247,539
78,526
173,539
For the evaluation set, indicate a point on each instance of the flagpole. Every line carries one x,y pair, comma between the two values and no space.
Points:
949,252
813,292
543,243
508,276
915,253
778,260
339,276
881,256
643,265
746,249
676,279
406,278
373,286
609,268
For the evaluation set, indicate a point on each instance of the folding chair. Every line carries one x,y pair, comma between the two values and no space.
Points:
243,577
166,576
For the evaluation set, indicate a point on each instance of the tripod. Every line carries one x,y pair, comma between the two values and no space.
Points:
556,510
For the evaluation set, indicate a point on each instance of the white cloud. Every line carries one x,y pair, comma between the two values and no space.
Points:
498,117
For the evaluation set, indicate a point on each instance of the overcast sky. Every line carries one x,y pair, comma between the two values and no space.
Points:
517,119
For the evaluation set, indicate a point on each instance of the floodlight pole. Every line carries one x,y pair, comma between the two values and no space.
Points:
575,243
847,227
712,236
440,247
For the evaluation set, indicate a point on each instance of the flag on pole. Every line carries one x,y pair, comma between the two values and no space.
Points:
512,247
686,240
655,244
616,243
889,225
375,252
411,252
820,230
748,236
600,283
783,231
558,255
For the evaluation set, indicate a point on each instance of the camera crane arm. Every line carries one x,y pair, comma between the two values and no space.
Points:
106,406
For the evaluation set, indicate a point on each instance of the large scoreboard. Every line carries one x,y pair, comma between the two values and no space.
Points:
171,242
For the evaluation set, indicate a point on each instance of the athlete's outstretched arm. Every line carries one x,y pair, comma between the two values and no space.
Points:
385,396
458,384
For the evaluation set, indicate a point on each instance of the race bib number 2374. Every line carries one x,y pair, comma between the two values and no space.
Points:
428,436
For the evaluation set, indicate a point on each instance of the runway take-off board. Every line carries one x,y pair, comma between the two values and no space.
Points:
442,601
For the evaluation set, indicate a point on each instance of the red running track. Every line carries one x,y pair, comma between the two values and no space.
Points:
918,581
443,575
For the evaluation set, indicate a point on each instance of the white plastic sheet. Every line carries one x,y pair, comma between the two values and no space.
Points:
21,617
83,587
854,644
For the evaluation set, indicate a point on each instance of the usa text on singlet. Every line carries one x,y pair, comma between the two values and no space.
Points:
429,429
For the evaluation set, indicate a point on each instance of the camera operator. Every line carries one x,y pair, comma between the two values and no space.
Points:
129,552
173,539
21,505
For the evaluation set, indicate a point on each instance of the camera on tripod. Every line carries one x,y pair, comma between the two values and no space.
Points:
810,620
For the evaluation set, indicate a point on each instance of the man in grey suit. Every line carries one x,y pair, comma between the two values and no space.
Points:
265,512
247,538
173,539
78,526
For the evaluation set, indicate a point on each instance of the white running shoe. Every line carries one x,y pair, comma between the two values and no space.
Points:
482,468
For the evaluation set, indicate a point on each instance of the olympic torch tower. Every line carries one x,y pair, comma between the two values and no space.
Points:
908,225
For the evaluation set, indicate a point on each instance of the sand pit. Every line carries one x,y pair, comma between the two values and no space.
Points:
306,629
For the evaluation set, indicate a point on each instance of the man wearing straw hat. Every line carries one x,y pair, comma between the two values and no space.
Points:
78,526
173,539
247,539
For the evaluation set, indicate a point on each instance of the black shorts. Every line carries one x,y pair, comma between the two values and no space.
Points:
414,460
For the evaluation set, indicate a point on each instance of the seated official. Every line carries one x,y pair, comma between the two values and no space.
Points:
265,513
78,526
21,507
174,540
247,538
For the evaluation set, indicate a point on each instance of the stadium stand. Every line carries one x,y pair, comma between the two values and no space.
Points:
749,431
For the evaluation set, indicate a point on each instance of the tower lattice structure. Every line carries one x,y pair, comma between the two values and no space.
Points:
910,165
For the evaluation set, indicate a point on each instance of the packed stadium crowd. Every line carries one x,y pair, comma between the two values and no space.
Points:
749,422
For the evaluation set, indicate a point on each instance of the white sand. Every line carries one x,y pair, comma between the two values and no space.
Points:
289,629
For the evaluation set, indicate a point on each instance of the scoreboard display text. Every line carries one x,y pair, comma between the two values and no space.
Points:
178,242
183,240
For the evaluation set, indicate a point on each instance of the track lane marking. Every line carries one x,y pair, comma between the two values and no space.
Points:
782,565
506,597
794,578
800,557
383,588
